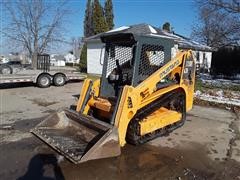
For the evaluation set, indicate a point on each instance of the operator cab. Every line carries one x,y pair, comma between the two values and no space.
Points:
118,63
130,59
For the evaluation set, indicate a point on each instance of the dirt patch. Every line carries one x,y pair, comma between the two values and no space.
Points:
43,102
18,130
22,125
234,144
12,136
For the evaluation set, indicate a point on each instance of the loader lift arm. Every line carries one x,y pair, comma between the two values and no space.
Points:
148,86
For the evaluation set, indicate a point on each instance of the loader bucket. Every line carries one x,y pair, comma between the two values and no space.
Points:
78,137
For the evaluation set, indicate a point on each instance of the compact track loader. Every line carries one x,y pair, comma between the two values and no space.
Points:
142,94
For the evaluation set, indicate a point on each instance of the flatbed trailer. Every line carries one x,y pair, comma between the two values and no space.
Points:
57,76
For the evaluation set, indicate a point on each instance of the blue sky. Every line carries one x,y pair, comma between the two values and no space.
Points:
180,13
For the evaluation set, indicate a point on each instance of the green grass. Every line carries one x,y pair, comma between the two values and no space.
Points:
199,85
235,88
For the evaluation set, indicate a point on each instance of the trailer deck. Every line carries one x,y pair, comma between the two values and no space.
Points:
28,75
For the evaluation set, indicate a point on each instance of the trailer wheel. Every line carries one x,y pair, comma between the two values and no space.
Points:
59,79
44,80
5,69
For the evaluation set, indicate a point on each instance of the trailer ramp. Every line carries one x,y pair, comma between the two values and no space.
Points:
78,137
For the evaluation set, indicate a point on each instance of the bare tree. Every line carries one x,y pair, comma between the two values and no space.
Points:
219,23
230,6
35,24
76,43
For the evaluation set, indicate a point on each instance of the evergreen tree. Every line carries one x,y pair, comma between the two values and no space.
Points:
88,23
95,21
83,59
167,27
88,31
108,8
99,22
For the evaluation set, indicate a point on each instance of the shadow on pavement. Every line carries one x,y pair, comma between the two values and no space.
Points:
16,85
76,95
73,107
37,167
28,84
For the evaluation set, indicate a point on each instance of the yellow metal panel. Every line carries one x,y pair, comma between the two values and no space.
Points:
146,93
186,84
159,119
96,88
192,85
125,113
83,93
148,86
94,94
157,94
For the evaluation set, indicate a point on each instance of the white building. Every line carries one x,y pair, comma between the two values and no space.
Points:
70,58
3,59
95,48
57,60
95,56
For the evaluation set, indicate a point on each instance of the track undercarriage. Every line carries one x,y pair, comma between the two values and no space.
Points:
174,101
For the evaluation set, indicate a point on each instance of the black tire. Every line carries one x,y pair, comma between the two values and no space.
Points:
59,79
5,69
44,80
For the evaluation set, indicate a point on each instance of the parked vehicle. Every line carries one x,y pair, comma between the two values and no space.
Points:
44,76
11,67
139,97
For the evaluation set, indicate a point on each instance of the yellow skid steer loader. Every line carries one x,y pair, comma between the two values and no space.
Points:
142,94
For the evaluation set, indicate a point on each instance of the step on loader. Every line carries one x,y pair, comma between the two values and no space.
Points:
143,93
